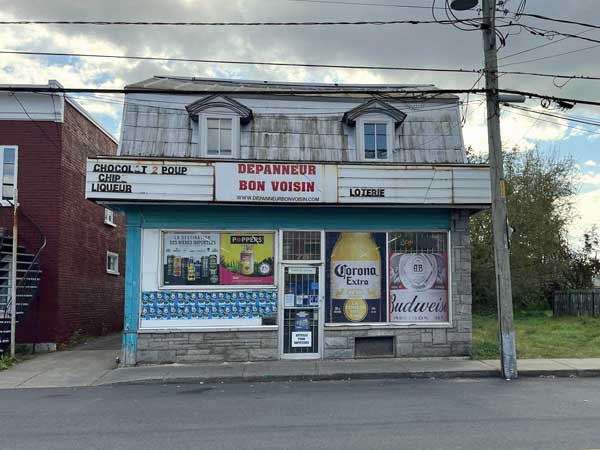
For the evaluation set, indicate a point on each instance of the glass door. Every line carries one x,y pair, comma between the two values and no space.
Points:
302,309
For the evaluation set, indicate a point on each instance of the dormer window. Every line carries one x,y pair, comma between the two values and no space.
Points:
219,137
218,121
375,140
375,122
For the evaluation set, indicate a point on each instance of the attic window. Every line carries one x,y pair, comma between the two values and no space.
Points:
375,139
218,136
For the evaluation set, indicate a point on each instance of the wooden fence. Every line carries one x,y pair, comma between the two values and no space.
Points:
576,302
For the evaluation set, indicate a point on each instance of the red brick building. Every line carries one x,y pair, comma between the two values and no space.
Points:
80,288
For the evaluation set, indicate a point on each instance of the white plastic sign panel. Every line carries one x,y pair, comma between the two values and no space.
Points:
125,179
301,339
269,182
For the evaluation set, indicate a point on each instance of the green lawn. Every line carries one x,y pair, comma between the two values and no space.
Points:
539,335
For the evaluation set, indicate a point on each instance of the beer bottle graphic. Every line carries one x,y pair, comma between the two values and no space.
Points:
355,279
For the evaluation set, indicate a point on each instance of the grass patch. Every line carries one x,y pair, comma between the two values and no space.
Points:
6,361
539,335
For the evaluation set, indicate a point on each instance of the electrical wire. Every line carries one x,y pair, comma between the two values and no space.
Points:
285,64
549,56
558,116
240,62
222,24
554,19
585,130
540,46
339,2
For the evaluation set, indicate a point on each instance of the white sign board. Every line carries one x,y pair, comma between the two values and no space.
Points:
269,182
125,179
301,338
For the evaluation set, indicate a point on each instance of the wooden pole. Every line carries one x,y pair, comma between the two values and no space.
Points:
508,352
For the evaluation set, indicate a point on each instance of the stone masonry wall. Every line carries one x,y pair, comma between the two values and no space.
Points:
424,342
182,347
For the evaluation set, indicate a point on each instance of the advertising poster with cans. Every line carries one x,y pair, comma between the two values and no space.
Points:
173,309
355,272
418,287
191,258
247,258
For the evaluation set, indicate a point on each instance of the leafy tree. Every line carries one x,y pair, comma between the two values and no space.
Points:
539,193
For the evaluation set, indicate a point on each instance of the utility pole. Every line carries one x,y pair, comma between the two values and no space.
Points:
13,272
508,353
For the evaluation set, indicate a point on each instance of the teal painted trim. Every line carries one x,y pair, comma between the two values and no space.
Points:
265,217
132,292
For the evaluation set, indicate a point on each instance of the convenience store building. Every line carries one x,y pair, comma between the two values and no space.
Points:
278,220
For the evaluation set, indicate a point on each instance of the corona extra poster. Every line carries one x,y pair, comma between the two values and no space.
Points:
356,281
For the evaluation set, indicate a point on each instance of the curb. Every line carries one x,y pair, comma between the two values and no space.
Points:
559,373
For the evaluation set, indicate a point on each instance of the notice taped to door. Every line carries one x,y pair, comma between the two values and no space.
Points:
301,338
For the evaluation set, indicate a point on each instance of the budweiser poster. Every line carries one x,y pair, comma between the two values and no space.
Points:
418,287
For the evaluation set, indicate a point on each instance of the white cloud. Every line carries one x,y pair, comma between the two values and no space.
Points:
588,213
590,178
590,163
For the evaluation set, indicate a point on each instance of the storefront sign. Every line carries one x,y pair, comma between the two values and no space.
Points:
418,287
356,277
148,180
269,182
301,339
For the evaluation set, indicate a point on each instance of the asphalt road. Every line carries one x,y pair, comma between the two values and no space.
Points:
478,414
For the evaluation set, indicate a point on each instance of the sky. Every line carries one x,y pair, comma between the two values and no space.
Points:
423,45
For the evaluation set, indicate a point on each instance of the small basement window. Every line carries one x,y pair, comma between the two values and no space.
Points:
374,346
112,263
109,217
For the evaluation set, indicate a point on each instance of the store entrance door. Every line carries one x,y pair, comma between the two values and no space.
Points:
302,330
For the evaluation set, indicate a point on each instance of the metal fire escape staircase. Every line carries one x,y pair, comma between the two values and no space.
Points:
28,279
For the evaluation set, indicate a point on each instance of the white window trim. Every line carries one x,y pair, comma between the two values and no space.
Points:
109,219
235,134
112,255
360,136
2,147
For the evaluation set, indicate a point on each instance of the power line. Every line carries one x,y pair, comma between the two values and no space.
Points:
388,5
223,24
241,62
285,64
585,130
550,56
554,19
540,46
558,116
334,90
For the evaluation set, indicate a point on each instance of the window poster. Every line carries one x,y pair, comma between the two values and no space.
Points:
247,258
418,287
190,258
356,283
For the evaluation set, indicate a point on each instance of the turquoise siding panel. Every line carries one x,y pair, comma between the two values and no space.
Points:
132,288
264,217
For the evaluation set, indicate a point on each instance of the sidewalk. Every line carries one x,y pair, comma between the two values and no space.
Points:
344,369
81,366
94,364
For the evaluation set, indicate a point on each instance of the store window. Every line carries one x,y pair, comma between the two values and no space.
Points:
301,246
418,277
213,258
213,279
356,277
